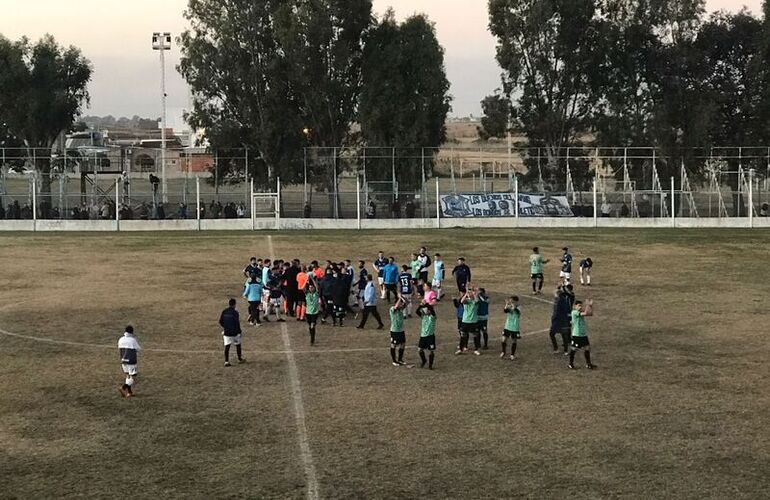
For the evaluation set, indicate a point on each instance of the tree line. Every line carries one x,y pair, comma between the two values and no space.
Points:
629,73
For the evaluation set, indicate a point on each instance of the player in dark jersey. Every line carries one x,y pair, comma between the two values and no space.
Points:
566,267
585,271
406,289
379,269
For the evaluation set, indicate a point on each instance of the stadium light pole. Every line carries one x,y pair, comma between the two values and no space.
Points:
162,42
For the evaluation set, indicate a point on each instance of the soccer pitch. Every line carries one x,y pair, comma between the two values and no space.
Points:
676,409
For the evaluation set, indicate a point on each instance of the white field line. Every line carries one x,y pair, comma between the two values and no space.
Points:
299,407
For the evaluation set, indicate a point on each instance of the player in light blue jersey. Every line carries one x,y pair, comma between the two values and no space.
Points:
438,275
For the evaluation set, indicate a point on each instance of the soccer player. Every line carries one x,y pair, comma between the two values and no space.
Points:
340,290
230,321
406,288
379,267
266,273
427,334
560,318
470,322
252,292
370,304
129,348
397,334
414,267
580,333
512,329
438,275
462,274
585,271
566,267
313,305
390,278
252,268
275,298
430,297
459,309
536,262
361,283
425,262
483,311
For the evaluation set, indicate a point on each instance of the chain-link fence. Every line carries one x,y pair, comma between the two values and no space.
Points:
385,183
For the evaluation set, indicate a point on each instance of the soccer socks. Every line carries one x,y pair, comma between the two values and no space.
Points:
423,358
239,352
588,357
572,357
400,354
588,279
431,356
555,346
513,347
463,342
312,334
540,285
485,334
534,285
227,354
503,346
477,341
393,354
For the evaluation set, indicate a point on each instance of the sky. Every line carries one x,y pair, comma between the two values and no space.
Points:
115,36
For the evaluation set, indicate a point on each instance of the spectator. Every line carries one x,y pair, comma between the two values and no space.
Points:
306,210
241,211
371,210
182,211
762,211
396,209
606,209
16,210
104,211
26,212
202,213
2,210
409,209
624,212
161,212
144,211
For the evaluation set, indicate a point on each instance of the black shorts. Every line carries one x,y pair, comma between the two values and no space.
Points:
468,328
509,333
428,343
390,287
300,297
537,276
579,342
397,338
461,285
482,324
311,318
424,276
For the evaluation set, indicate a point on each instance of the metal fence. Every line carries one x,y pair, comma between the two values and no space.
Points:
393,183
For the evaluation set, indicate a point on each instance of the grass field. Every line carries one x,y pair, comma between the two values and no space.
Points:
678,407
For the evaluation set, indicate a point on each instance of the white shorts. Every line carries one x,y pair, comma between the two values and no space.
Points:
129,369
436,283
380,280
276,302
232,340
562,274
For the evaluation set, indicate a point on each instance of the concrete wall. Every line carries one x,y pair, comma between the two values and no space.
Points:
381,224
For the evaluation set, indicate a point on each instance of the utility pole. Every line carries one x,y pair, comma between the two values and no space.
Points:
162,42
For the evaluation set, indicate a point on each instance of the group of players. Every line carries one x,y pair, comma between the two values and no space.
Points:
311,292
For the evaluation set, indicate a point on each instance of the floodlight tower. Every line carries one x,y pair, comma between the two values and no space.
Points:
162,42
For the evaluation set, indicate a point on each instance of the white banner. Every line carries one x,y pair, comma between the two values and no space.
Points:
502,205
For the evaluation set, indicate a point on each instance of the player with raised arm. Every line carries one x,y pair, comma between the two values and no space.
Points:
128,348
566,267
483,310
312,308
536,262
580,333
512,325
397,333
470,322
427,341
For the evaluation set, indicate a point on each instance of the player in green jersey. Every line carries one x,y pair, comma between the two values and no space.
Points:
427,334
580,332
512,329
536,262
469,324
313,306
397,334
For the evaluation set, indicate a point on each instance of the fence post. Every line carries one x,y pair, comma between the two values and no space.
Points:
117,204
438,205
278,204
751,197
596,218
253,207
198,200
673,204
516,196
34,203
358,202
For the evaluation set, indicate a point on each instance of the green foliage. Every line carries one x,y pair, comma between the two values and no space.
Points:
263,71
497,115
405,96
